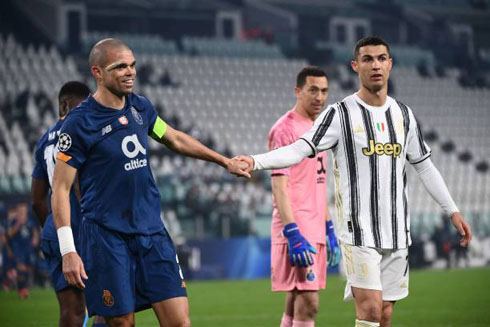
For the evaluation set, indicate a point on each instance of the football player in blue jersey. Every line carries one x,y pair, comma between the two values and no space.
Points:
22,237
71,300
129,261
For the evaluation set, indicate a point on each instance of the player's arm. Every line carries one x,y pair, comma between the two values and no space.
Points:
299,248
35,236
436,187
188,146
323,135
281,195
39,193
64,176
282,157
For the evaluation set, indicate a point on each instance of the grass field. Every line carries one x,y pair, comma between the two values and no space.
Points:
437,298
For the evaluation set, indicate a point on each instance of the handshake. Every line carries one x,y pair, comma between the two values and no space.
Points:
240,166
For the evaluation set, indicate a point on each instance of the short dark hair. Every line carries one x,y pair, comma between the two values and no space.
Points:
74,88
369,40
309,71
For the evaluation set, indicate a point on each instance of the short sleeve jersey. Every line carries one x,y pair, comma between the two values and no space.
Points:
109,148
45,156
307,188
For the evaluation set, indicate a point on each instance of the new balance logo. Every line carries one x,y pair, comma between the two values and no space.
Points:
106,130
132,142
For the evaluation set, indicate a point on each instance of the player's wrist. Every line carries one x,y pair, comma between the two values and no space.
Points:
66,240
290,229
329,227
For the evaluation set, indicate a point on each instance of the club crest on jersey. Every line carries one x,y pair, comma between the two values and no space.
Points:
64,142
107,299
136,115
123,120
359,129
390,149
310,276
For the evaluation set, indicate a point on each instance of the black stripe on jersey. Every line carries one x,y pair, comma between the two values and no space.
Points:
394,221
405,206
423,149
373,165
350,155
313,149
322,129
406,121
419,161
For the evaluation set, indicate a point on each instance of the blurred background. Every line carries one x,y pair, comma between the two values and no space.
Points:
224,72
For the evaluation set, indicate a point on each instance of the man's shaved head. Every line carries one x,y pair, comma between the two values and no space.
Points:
98,54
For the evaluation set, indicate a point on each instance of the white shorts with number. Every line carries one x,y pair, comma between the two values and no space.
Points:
385,270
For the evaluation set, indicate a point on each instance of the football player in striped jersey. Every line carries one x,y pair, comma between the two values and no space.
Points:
372,136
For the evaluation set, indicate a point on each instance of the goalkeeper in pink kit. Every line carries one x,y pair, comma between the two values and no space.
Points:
302,233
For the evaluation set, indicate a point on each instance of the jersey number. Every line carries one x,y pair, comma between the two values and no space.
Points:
50,153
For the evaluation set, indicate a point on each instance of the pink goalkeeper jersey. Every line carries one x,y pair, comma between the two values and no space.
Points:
307,186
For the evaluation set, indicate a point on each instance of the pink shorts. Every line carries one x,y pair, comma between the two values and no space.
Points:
286,278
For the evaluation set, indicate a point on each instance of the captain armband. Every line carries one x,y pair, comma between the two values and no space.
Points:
159,128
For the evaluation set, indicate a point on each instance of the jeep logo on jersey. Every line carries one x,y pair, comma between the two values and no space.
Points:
390,149
64,142
136,116
131,151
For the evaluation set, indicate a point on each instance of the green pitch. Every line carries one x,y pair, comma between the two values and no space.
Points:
437,298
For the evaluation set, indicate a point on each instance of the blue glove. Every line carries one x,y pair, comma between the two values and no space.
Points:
299,248
333,250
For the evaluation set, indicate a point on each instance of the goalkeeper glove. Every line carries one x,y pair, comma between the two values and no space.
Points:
333,250
298,246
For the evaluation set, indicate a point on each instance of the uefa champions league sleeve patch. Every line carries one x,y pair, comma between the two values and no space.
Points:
64,142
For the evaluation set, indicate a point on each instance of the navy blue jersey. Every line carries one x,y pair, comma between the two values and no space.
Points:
45,156
109,148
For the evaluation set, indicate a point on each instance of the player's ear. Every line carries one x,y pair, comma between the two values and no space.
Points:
64,107
353,64
96,71
297,91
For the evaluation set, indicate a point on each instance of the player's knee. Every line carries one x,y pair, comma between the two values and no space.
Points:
186,322
121,321
312,309
307,308
71,317
371,312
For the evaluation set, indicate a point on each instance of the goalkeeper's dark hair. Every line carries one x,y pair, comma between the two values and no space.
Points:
309,71
74,89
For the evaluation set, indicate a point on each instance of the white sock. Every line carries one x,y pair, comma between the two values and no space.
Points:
365,323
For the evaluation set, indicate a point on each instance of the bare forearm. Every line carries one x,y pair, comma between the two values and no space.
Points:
60,203
283,201
327,213
189,146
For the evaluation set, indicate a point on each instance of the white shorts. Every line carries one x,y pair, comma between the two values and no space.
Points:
385,270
